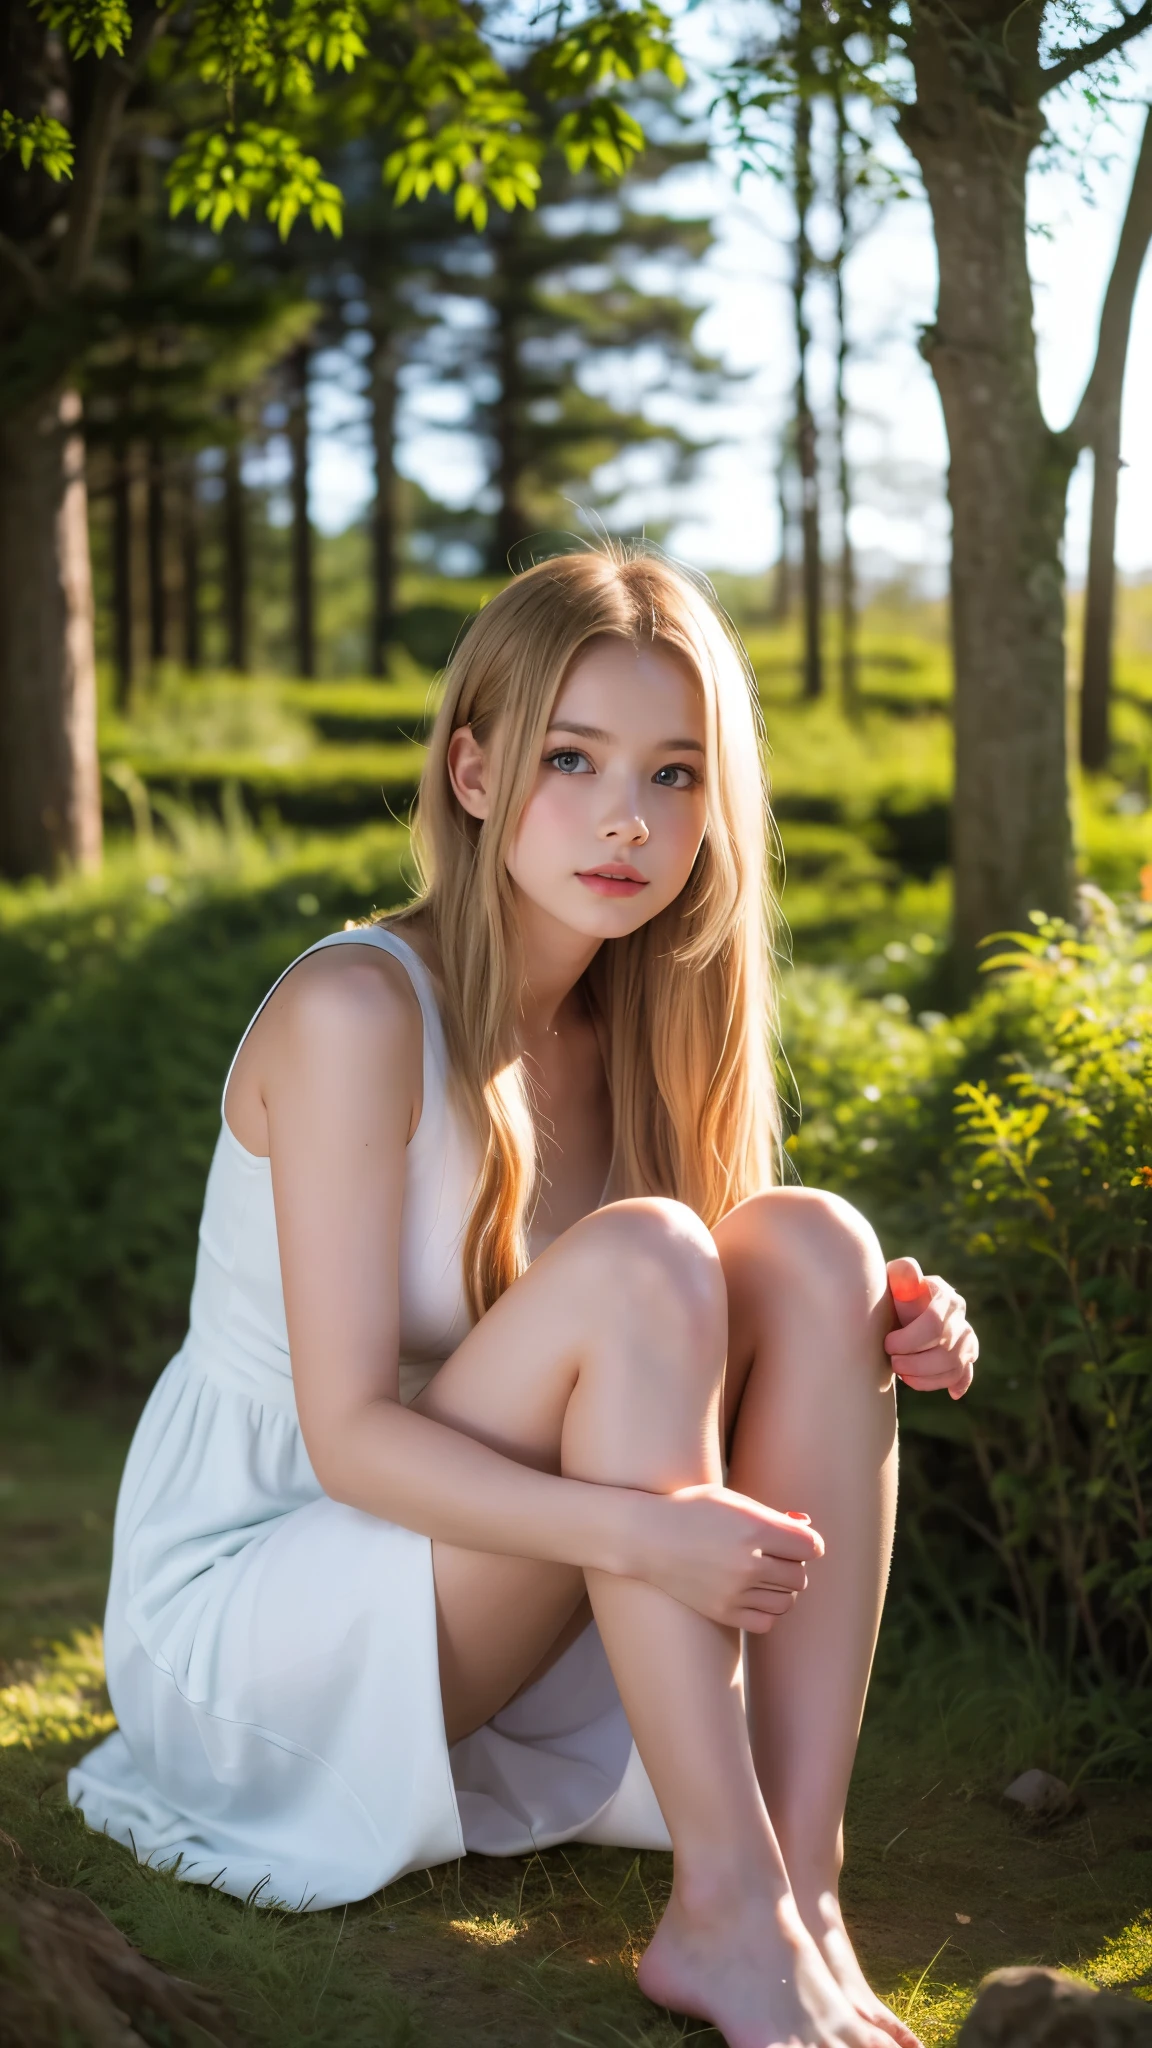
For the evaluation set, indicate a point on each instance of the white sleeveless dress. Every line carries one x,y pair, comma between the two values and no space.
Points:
271,1654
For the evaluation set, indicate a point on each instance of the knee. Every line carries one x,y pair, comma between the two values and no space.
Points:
815,1236
657,1261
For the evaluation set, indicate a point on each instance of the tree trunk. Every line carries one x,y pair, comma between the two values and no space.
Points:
49,769
122,592
782,579
190,565
511,519
849,619
1097,423
806,443
157,584
235,524
1008,479
303,578
1100,601
384,536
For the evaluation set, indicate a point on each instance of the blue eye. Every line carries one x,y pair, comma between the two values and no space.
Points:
689,774
568,760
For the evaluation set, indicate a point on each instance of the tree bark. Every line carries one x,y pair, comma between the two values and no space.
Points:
49,769
782,578
156,535
122,592
1008,479
303,571
1097,423
1100,602
511,519
235,534
190,566
384,534
812,576
849,610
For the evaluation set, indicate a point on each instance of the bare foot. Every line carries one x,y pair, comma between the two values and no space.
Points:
753,1971
837,1950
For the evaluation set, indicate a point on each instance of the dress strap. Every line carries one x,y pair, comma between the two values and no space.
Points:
387,942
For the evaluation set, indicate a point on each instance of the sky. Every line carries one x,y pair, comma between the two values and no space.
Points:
727,518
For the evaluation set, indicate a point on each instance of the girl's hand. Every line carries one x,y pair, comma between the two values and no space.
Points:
729,1557
936,1345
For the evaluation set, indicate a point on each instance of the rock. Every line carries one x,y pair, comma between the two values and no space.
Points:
1040,1794
1045,2009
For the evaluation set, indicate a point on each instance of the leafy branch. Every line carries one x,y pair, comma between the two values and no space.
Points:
40,141
222,173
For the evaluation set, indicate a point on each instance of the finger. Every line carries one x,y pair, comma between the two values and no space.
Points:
773,1574
924,1334
758,1615
954,1370
944,1359
776,1536
967,1372
752,1624
943,1324
905,1279
770,1599
933,1368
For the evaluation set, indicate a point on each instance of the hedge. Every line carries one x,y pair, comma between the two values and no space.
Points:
1009,1147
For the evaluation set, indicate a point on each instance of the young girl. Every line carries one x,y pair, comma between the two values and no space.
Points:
515,1389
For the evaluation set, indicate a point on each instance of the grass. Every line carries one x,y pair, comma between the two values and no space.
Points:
943,1883
862,805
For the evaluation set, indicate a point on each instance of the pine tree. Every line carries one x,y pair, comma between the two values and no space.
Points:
566,305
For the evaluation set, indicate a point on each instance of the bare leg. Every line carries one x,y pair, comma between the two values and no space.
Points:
607,1358
813,1427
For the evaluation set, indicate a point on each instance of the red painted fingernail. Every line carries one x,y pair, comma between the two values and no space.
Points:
797,1515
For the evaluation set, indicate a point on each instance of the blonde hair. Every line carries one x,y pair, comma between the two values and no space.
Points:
687,1002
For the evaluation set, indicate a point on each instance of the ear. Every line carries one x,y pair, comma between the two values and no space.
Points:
468,772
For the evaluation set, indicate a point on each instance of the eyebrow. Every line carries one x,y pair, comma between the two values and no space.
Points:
596,732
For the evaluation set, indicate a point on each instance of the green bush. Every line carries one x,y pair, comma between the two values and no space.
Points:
1013,1146
122,1003
1009,1147
332,787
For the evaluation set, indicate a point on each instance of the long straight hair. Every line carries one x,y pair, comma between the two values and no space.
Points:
687,1003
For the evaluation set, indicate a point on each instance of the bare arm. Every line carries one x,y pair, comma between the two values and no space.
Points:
333,1073
338,1066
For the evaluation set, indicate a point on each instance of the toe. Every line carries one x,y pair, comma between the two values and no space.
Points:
894,2028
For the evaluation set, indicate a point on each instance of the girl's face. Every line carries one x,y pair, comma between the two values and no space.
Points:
613,825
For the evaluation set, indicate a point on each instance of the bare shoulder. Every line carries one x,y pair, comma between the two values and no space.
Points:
349,1014
351,991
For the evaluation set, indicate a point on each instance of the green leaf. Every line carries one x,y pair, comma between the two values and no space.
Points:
95,26
40,140
219,174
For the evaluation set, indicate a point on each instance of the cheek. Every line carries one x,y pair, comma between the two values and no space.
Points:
683,832
552,813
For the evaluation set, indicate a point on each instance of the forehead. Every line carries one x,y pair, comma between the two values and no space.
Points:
634,683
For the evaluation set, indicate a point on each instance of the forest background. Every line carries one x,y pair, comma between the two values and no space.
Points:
211,717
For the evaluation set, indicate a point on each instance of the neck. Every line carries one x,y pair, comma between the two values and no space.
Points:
554,957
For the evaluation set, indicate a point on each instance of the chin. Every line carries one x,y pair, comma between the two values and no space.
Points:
603,919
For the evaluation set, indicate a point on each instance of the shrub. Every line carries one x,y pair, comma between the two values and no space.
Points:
122,1004
1013,1146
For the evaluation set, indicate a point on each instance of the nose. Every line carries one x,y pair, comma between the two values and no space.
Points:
628,829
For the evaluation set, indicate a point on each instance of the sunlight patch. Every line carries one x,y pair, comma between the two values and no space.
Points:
1125,1961
491,1930
59,1699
